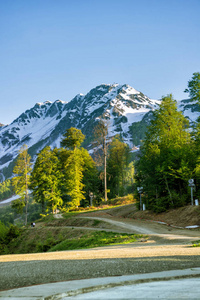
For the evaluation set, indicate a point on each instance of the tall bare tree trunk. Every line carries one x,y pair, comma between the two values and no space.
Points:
100,134
26,193
105,166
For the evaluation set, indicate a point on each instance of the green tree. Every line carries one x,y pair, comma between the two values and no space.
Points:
118,161
72,165
74,178
21,182
72,138
88,176
91,180
45,179
165,163
194,94
18,206
6,189
194,87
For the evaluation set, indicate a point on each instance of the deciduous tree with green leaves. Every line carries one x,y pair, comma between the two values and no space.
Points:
21,181
73,166
45,179
88,175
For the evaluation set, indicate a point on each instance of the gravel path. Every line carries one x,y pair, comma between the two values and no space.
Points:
167,249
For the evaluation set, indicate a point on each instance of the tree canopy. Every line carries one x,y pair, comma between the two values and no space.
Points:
72,138
194,87
45,179
118,161
65,175
168,158
164,165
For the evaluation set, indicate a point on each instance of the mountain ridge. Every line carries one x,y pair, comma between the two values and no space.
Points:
45,123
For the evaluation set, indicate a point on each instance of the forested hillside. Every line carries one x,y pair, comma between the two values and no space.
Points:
158,174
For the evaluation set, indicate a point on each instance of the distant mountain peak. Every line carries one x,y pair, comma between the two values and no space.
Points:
45,123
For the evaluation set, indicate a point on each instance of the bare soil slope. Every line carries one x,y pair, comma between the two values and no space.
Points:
181,217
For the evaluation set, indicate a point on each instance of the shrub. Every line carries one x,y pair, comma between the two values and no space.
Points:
7,234
12,233
3,231
6,215
196,244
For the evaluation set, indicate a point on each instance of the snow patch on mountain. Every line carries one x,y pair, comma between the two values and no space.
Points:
190,109
46,122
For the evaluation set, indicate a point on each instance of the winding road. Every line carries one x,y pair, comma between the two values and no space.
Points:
166,249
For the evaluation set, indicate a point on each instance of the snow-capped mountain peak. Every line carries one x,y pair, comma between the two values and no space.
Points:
45,123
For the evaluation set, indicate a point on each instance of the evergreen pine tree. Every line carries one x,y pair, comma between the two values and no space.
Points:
91,180
194,94
118,161
72,138
164,165
194,87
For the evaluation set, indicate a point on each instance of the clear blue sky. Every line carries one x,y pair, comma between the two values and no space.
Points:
55,49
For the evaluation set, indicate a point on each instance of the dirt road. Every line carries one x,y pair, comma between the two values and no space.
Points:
158,232
166,249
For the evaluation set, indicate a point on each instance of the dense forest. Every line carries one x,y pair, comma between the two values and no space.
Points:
170,155
68,177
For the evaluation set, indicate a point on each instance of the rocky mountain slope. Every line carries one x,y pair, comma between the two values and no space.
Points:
126,110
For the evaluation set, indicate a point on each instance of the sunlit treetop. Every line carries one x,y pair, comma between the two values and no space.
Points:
72,138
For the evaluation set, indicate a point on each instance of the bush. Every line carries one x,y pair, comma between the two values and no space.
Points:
7,216
164,203
3,231
196,243
120,200
7,234
13,232
46,245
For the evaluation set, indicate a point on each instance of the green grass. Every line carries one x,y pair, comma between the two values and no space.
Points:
43,239
96,239
196,243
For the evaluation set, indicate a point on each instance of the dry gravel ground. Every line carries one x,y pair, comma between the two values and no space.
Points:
167,248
